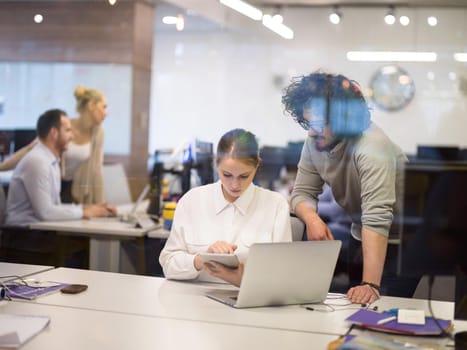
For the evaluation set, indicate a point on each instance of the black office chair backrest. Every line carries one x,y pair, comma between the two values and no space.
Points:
2,205
5,141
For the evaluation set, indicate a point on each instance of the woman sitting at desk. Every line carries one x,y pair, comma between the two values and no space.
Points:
225,217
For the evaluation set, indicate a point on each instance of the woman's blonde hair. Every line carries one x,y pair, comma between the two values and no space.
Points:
83,95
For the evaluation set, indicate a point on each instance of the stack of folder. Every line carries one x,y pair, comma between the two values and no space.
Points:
373,320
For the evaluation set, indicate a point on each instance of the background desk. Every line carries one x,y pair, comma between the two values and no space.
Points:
105,236
158,297
22,270
160,233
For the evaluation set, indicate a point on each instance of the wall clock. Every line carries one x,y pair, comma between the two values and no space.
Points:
392,88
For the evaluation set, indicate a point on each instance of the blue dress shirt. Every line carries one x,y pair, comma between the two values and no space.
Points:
34,190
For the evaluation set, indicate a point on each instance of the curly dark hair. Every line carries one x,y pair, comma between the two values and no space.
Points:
345,103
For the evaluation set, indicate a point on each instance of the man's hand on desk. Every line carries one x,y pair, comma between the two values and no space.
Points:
98,210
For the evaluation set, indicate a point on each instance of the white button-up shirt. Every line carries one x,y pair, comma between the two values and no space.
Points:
203,216
34,190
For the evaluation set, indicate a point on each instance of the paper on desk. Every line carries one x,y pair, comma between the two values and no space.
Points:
128,208
337,299
15,330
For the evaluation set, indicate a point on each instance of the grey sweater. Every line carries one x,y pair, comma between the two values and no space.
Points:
366,177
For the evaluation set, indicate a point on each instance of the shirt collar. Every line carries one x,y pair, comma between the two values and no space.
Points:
242,203
48,153
337,147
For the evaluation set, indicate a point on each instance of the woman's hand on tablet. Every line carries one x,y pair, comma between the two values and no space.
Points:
233,276
222,247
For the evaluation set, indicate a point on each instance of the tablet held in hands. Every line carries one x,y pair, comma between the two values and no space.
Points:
229,260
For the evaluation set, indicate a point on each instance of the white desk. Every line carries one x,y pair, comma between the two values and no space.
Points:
22,270
157,297
105,235
160,233
77,329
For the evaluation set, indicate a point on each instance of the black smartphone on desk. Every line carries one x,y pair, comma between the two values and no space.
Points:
74,288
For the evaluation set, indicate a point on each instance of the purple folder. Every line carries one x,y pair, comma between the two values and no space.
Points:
19,291
369,319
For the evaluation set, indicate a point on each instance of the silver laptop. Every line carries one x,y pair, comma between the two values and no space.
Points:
142,220
284,274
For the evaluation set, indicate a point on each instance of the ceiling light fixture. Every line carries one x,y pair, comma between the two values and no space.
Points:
432,21
460,56
390,18
244,8
275,24
169,20
278,18
179,21
112,2
38,18
391,56
336,16
404,20
180,25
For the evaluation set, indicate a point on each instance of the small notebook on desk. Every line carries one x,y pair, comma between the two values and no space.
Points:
15,330
369,319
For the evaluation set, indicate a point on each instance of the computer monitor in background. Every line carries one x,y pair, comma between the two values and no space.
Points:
293,152
203,161
434,225
439,153
272,161
23,137
198,156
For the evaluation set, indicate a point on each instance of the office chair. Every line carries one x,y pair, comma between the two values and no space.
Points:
298,228
5,141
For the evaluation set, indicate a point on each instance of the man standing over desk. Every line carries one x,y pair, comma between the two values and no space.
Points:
363,167
34,191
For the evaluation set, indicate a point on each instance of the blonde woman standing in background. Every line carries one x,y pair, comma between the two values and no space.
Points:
82,163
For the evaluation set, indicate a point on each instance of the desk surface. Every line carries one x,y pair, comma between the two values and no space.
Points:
160,232
158,297
22,270
79,329
111,227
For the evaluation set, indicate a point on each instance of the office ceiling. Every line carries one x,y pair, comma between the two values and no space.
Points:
408,3
327,3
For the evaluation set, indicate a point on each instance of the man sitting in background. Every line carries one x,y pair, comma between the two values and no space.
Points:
34,191
34,195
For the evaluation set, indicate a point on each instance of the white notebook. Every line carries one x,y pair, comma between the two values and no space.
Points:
15,330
